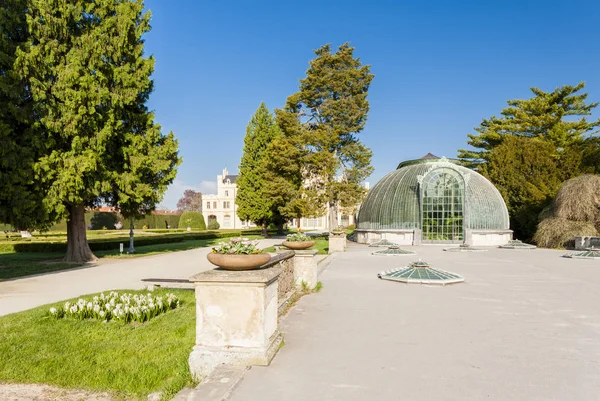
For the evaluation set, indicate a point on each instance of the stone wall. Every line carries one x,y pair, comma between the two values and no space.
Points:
286,278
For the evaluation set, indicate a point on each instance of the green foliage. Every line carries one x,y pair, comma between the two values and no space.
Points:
21,192
322,121
528,173
193,220
252,199
103,219
213,225
85,69
557,117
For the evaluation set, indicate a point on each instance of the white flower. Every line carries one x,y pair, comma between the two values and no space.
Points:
53,311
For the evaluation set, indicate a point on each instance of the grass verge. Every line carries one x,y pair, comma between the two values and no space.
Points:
126,360
321,245
17,264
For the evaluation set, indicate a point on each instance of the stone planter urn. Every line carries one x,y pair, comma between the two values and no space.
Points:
238,261
298,245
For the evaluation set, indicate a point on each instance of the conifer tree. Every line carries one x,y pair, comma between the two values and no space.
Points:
85,67
325,117
252,202
558,117
21,194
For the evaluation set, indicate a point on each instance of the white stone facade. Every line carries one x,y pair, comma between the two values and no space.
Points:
221,206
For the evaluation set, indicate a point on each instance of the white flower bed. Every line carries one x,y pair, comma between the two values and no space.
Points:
119,307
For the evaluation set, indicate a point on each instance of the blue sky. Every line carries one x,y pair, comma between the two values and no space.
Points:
440,68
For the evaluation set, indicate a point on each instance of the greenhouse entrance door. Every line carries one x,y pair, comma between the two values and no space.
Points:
442,215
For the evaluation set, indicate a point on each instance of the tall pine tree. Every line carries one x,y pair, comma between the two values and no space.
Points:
85,67
326,115
252,202
558,117
21,193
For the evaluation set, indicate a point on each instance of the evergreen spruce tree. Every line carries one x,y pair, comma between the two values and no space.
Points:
325,117
85,67
558,117
21,193
252,202
528,173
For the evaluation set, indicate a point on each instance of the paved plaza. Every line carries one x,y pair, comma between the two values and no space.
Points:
525,325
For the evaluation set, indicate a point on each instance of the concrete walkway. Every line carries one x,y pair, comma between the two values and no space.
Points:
524,326
28,292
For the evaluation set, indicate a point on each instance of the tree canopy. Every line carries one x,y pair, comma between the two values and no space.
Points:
559,117
536,145
190,202
252,201
323,119
85,69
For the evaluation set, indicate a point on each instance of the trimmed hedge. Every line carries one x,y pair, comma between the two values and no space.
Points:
112,243
213,225
193,220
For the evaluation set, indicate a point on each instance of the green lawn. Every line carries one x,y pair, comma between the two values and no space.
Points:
127,360
321,245
27,263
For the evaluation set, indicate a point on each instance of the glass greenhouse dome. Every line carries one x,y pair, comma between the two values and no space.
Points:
434,200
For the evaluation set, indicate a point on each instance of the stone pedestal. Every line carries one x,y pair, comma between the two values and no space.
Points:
305,268
337,242
236,319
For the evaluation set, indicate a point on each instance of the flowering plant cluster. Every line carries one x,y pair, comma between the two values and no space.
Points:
298,237
119,307
238,246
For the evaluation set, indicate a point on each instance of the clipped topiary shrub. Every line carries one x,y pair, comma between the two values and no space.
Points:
193,220
213,225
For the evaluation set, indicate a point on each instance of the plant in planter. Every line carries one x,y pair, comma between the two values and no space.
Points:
238,254
298,241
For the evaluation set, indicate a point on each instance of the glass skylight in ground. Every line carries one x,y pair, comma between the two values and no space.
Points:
590,253
383,243
517,244
393,251
421,273
465,248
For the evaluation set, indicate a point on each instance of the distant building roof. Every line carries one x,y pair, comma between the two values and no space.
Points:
231,178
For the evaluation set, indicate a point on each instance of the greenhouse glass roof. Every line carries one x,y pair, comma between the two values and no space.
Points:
395,202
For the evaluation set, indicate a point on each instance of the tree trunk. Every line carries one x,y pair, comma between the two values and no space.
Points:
299,229
131,248
332,216
78,250
280,228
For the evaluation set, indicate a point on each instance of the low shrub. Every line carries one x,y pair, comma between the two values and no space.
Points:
213,225
193,220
